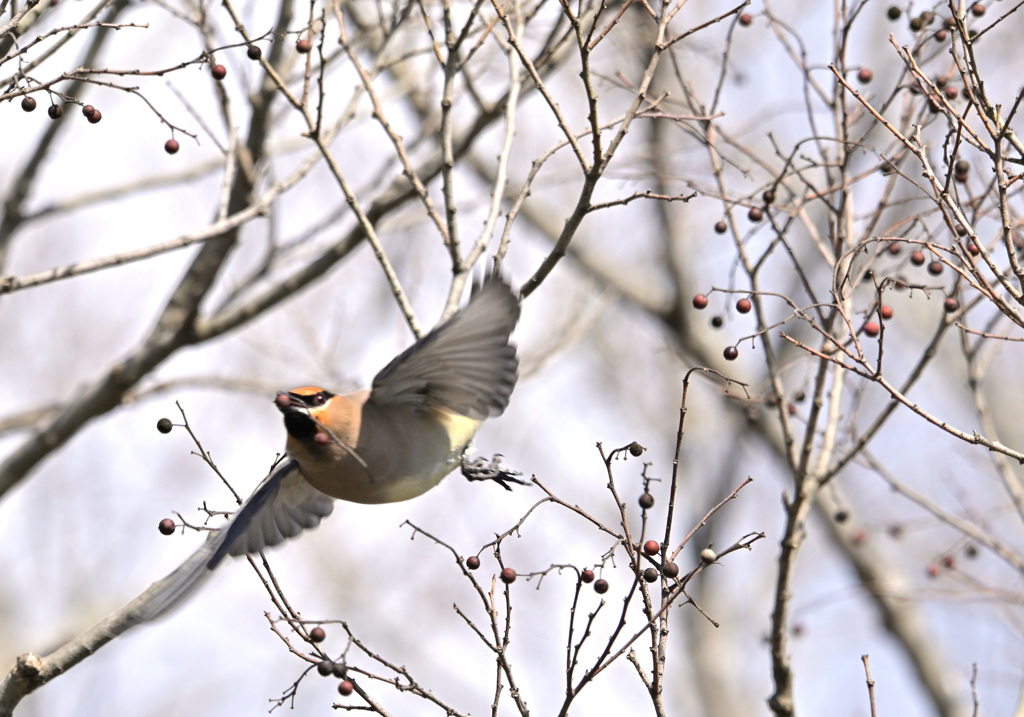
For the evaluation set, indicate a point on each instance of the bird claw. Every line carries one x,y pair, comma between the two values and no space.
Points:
482,469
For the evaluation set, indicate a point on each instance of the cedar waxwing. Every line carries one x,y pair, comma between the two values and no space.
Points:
392,442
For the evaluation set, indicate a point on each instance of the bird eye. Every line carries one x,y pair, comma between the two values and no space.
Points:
319,399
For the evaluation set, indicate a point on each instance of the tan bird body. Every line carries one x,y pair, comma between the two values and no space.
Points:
392,442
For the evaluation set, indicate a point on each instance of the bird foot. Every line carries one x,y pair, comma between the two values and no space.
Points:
482,469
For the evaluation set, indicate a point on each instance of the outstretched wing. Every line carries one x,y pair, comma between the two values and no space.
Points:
467,365
282,506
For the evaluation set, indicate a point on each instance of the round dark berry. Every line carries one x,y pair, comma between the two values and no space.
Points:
28,103
95,117
947,561
717,321
325,667
87,110
670,569
894,13
917,258
587,576
745,19
700,301
646,501
721,227
971,551
871,328
743,306
768,196
303,46
885,312
951,92
950,305
219,72
171,146
339,669
508,576
345,688
935,268
651,574
600,586
977,9
916,24
962,166
941,35
651,547
755,214
55,112
865,76
164,425
166,526
472,562
731,353
635,449
960,230
894,247
317,634
253,52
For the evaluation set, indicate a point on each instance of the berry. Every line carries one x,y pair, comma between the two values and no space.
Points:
932,570
768,196
303,46
977,9
894,248
743,306
339,669
166,526
894,13
325,667
219,72
88,111
345,688
971,551
651,547
947,561
962,166
731,353
670,570
871,328
700,301
960,230
472,562
717,321
745,19
885,312
721,227
171,146
28,103
917,258
587,576
651,574
799,396
601,586
508,576
935,268
646,501
317,634
951,92
95,117
973,249
164,425
941,35
635,449
253,52
865,76
755,214
707,556
55,112
950,305
916,24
